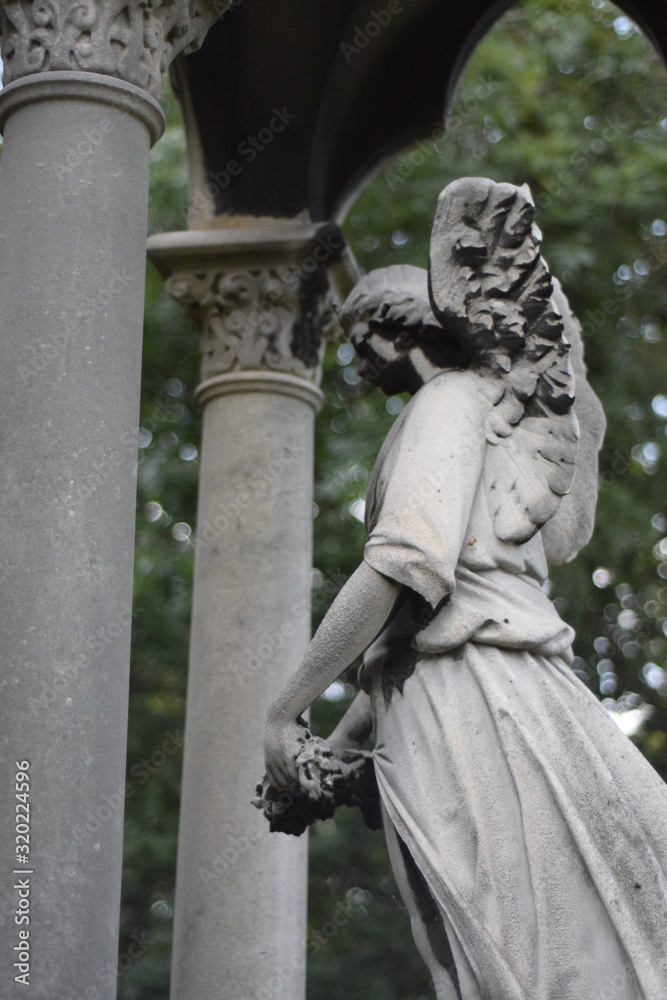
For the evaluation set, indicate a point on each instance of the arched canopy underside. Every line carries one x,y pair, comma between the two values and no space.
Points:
289,106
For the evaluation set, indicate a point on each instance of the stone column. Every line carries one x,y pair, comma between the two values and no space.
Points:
262,296
78,114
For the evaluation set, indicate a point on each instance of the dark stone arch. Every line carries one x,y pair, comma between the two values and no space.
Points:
356,79
651,18
470,27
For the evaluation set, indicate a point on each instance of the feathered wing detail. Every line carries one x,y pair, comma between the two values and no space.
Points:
571,528
491,288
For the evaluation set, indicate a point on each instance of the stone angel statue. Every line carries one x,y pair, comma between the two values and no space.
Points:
527,835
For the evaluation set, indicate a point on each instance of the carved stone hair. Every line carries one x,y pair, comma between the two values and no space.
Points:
394,298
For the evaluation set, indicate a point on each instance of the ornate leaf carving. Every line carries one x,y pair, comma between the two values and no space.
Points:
258,318
134,40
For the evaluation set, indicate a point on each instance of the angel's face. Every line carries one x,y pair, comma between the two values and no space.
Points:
394,363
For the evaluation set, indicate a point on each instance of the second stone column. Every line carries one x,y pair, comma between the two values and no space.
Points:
262,296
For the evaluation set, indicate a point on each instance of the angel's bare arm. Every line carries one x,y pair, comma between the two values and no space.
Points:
353,621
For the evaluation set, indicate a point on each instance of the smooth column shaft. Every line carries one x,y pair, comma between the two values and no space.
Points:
240,924
73,208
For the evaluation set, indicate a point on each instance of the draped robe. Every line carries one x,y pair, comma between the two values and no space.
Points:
538,828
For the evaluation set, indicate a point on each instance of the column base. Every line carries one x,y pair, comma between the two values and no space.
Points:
260,381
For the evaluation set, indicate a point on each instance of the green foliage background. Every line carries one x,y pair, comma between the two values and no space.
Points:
569,97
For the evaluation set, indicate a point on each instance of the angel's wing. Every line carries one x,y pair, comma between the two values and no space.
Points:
572,526
491,288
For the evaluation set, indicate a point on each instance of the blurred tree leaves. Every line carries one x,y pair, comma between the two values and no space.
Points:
570,98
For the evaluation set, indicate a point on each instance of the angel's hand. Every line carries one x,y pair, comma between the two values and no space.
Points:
283,740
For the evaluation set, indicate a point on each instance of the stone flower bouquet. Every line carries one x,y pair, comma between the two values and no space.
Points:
325,781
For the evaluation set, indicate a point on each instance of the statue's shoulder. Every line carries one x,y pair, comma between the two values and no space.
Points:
454,395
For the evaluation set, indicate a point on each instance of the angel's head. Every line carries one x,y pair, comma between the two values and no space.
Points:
399,342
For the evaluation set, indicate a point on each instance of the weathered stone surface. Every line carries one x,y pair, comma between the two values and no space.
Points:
240,910
132,40
78,120
72,265
257,318
261,294
491,288
571,526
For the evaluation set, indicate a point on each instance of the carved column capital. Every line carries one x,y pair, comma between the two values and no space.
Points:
131,40
257,318
262,296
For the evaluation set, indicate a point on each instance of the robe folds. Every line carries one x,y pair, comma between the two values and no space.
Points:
539,829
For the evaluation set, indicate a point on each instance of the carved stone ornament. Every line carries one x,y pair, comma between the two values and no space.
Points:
274,318
134,40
